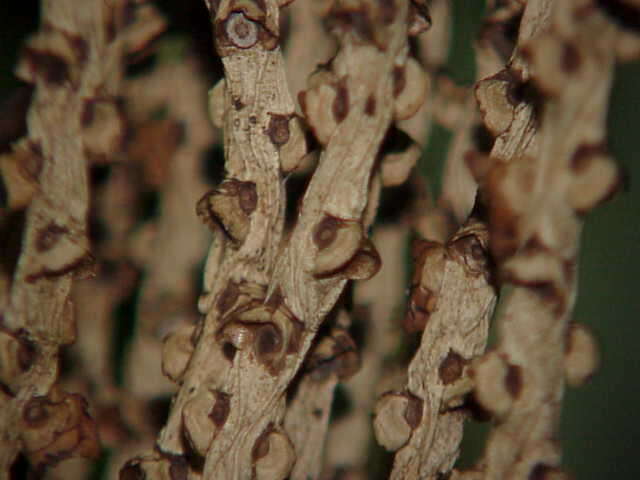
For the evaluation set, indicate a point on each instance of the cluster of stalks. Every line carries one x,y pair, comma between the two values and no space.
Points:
323,112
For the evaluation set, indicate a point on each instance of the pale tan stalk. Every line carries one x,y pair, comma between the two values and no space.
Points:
76,62
548,167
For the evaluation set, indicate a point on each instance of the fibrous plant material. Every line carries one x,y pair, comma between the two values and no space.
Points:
76,64
452,300
264,302
282,328
547,168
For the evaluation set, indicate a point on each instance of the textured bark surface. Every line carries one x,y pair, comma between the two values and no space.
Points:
314,332
76,64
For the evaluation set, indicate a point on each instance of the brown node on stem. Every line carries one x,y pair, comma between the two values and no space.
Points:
273,455
596,177
57,427
268,331
20,171
451,367
581,357
229,206
343,250
396,415
325,103
497,383
428,257
203,416
176,352
496,101
17,354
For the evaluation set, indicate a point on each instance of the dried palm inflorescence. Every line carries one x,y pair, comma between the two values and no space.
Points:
255,373
76,62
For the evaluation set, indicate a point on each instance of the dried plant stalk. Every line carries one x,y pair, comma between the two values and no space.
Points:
76,64
452,300
256,375
261,320
548,166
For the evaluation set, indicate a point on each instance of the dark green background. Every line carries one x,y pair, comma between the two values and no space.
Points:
601,423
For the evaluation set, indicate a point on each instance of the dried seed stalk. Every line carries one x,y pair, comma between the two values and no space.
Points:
548,166
452,301
76,64
265,303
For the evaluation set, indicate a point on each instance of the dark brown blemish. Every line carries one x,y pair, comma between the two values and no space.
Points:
237,103
261,447
571,58
49,236
82,267
80,47
253,119
26,353
413,413
513,380
33,161
132,471
451,368
6,390
543,472
399,76
228,297
35,413
326,231
179,468
220,410
370,106
278,129
471,254
88,112
248,197
295,339
53,69
268,341
317,413
340,105
229,351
